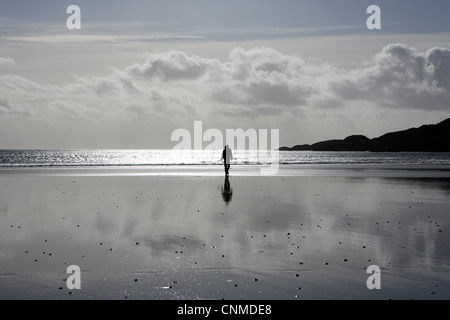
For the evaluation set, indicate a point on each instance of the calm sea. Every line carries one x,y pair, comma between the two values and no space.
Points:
82,158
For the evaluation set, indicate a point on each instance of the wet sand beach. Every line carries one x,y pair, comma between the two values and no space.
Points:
193,235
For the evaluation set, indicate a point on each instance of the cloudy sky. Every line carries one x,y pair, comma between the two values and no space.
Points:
137,70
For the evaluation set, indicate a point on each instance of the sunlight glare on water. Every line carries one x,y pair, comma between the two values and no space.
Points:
44,158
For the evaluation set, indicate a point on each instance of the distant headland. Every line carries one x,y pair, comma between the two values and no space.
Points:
426,138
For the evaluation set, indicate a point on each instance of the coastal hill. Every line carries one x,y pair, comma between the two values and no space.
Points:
426,138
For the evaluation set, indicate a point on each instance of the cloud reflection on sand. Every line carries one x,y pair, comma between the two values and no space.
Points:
317,233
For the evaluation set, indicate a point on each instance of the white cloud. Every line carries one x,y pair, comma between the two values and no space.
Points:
401,77
6,61
169,66
260,87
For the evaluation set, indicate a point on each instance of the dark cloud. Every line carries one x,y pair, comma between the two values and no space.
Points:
440,59
4,103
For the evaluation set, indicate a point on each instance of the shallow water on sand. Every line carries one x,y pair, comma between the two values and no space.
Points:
172,237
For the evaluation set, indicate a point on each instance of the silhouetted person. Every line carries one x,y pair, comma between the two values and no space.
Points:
227,191
227,156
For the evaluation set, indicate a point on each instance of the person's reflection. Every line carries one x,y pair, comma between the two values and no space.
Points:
227,191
